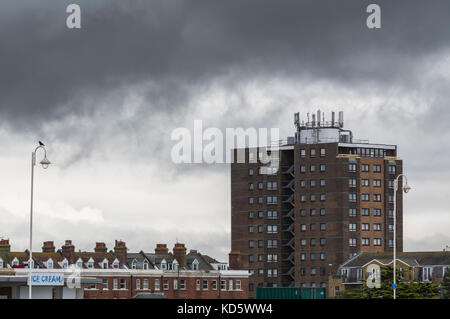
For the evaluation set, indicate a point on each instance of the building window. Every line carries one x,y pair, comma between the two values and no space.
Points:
197,284
223,285
377,182
260,214
313,271
138,284
376,168
251,229
238,285
364,167
322,182
272,185
303,242
377,226
214,285
145,284
313,242
323,226
312,256
272,243
251,258
313,197
302,212
365,226
376,212
323,241
272,258
105,284
377,241
303,198
391,243
365,197
251,215
260,243
352,227
352,167
391,213
352,242
251,171
312,152
302,256
352,182
302,168
312,227
251,200
323,152
260,185
365,211
391,228
391,183
205,284
260,228
427,273
183,284
322,211
250,186
302,183
322,197
391,199
251,244
272,229
392,169
175,284
123,284
260,200
157,285
352,212
352,197
322,256
303,227
322,167
312,212
230,284
260,257
365,242
272,199
272,214
312,168
302,153
115,284
377,197
312,183
364,182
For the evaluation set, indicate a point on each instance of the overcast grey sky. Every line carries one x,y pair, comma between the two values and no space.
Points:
106,98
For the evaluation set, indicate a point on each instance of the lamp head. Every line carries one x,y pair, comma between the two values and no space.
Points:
406,188
45,162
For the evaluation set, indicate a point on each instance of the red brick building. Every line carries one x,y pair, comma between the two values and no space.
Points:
120,274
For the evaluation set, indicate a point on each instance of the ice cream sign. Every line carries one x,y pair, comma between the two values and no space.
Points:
47,279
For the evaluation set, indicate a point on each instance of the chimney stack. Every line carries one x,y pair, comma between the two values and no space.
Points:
5,247
48,247
234,260
179,252
120,250
68,249
100,248
161,249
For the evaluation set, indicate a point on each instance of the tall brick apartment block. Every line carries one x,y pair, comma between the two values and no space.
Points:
324,198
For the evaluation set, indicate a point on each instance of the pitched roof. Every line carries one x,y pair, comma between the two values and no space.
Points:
426,258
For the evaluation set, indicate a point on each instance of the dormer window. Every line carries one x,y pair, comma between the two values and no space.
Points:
50,264
195,264
115,263
175,265
163,264
64,264
133,265
79,263
169,266
146,265
15,262
90,263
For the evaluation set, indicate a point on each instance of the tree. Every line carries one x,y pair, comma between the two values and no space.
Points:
405,289
445,285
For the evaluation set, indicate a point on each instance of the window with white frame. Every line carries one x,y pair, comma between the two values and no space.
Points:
352,242
49,263
166,284
427,273
115,284
377,241
352,212
175,284
197,284
352,182
138,284
145,284
223,285
214,285
163,264
195,264
105,284
79,263
183,284
205,284
352,227
157,284
230,284
123,284
272,229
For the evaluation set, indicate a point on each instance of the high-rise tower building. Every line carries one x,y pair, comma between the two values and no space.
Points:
323,197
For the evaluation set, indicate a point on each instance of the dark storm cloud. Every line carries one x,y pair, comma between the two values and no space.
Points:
48,71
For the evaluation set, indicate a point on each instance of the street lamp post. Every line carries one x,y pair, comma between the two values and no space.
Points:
45,163
406,188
